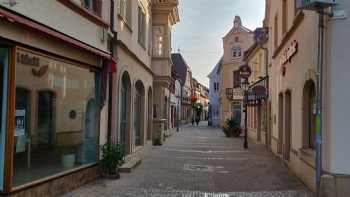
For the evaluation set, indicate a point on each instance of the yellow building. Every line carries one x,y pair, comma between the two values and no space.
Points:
256,58
235,42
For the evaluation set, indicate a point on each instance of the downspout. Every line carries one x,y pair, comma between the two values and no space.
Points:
267,137
110,77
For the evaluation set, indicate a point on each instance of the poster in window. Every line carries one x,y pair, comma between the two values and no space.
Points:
20,117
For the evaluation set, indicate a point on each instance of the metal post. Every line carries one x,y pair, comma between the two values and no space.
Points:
319,92
245,118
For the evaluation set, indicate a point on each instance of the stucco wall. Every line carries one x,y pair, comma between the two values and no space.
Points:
63,19
338,75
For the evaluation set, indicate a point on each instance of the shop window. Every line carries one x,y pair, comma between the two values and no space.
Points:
4,54
56,117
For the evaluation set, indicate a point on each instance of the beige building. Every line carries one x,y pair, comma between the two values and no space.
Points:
293,44
144,72
235,42
164,16
133,83
51,76
256,58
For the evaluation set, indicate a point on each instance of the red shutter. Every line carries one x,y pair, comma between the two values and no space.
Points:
236,79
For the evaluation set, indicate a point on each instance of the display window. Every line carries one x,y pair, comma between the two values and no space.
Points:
4,62
56,116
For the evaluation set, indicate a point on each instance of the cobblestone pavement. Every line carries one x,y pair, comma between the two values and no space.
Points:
201,162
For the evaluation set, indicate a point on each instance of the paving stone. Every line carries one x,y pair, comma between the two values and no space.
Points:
201,161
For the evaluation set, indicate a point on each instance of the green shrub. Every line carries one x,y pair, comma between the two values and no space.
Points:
112,157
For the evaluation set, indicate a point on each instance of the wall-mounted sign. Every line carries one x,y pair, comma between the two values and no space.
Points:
288,54
245,71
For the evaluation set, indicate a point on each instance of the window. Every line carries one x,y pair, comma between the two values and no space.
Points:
216,86
93,5
236,79
236,52
236,39
56,117
4,57
142,27
284,16
309,115
124,11
158,41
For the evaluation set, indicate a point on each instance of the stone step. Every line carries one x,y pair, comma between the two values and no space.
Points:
128,166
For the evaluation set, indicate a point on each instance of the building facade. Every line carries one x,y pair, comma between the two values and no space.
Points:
293,60
133,83
235,42
256,58
214,96
184,74
164,16
53,101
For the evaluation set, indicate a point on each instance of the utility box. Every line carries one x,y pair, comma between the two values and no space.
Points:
315,4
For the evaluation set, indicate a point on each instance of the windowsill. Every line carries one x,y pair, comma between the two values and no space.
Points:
125,23
308,156
85,13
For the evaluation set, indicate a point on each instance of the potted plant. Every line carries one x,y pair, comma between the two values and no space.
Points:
157,140
232,128
112,159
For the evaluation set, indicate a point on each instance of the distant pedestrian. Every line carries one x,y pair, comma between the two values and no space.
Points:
197,121
192,121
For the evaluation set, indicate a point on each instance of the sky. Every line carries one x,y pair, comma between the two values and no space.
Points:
203,23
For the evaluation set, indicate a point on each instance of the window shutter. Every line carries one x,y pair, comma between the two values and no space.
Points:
236,79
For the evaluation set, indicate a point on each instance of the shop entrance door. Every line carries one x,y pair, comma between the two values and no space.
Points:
4,59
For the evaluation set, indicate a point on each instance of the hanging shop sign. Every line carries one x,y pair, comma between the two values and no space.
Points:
245,71
288,54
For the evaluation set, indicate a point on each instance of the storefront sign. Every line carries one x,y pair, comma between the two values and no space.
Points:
245,71
27,59
20,121
288,54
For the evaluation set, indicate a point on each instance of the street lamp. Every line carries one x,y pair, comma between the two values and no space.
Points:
244,73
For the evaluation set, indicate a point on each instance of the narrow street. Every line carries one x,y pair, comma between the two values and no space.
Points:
200,161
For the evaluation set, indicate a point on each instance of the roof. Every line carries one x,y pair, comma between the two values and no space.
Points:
237,27
216,68
180,67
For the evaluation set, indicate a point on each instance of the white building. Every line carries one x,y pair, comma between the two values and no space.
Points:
214,96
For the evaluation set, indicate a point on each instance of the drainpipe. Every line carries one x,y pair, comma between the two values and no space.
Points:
319,100
110,77
267,93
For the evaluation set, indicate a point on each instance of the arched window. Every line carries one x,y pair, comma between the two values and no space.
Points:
309,115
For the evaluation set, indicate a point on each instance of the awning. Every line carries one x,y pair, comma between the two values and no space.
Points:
47,31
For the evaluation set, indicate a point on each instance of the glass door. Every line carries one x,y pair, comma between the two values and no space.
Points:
4,60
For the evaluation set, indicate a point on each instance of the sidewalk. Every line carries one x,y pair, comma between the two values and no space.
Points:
200,161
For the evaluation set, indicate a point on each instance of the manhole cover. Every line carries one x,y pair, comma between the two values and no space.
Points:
202,168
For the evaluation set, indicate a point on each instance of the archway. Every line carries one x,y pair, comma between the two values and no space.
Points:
139,112
287,125
150,114
125,109
309,115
